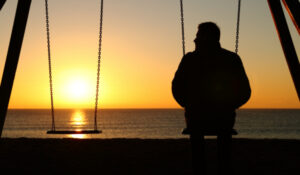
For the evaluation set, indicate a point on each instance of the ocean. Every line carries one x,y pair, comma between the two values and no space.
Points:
146,123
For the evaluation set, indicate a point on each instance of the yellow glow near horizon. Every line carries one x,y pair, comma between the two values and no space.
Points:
77,88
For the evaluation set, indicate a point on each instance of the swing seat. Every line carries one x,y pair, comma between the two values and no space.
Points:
74,132
212,132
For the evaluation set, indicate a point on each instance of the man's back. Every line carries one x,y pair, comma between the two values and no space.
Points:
210,85
211,79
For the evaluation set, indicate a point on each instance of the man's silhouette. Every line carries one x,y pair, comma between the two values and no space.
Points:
210,84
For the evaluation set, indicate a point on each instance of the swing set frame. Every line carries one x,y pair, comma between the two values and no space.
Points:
20,21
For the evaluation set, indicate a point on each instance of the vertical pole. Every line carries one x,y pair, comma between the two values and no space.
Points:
286,42
12,58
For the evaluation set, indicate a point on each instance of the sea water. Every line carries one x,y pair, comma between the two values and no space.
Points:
145,123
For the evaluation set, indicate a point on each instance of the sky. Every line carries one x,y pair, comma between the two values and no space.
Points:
141,52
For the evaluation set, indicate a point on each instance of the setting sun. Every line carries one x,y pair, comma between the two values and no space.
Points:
77,88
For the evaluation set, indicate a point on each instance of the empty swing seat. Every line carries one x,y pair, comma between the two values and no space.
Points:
74,132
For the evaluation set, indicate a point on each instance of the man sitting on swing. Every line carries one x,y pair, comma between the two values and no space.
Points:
210,84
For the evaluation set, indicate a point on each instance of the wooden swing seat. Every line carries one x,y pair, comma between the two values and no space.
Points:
74,132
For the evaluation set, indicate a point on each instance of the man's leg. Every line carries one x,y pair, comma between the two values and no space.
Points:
198,154
224,154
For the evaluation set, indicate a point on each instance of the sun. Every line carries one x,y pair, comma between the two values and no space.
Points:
78,88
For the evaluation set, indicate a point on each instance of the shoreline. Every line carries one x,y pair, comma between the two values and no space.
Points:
142,156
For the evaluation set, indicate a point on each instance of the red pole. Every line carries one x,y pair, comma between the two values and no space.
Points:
286,42
293,7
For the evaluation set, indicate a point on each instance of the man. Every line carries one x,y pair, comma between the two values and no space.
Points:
210,84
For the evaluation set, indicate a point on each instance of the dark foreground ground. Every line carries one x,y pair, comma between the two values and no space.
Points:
139,157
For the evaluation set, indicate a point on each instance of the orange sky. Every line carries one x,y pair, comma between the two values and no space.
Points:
141,52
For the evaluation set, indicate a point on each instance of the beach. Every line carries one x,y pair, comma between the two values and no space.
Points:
142,156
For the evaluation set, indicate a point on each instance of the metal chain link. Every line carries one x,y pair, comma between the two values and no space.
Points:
182,27
238,27
49,64
98,67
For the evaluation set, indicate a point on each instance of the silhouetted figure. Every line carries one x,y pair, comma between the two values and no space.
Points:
210,84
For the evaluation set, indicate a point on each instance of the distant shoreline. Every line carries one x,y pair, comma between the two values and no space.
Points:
143,109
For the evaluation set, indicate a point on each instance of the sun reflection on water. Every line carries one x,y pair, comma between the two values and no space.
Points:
78,119
78,136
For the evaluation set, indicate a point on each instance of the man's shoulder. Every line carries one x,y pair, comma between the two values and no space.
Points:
190,54
188,57
229,55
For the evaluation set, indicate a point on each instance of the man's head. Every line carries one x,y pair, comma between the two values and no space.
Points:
208,34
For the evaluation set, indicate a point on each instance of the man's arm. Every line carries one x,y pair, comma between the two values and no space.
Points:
178,83
244,90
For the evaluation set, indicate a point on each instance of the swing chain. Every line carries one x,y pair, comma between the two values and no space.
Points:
182,27
49,64
50,67
238,27
98,66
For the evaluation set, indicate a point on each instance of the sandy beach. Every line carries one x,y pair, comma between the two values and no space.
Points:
140,156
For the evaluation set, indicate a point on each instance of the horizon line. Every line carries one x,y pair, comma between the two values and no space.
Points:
129,108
